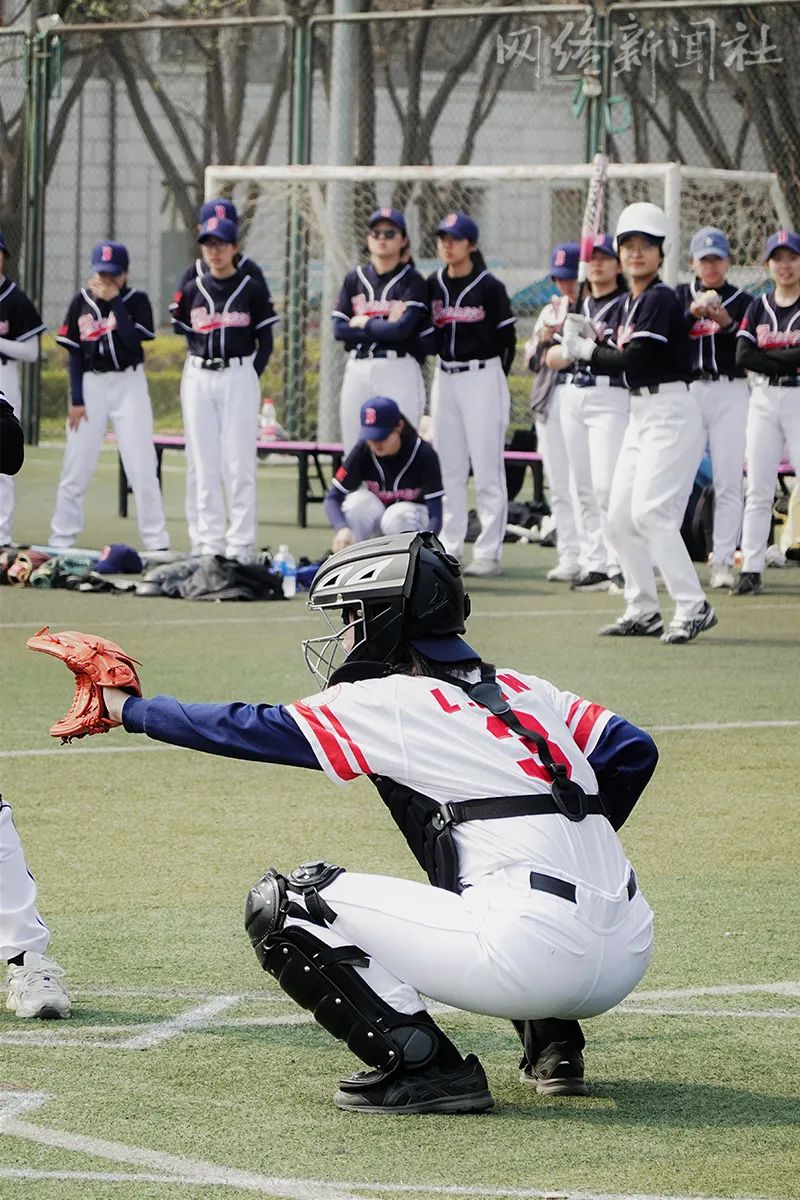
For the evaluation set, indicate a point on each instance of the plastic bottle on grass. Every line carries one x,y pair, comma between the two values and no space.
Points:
285,563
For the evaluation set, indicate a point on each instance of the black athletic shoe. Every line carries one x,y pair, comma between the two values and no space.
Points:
433,1091
748,584
686,631
651,626
591,581
558,1071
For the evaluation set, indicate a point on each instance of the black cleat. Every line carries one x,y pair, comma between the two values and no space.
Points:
651,626
686,631
558,1071
591,581
748,584
463,1090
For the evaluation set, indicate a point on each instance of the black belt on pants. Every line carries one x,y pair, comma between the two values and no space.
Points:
379,354
454,368
652,388
560,887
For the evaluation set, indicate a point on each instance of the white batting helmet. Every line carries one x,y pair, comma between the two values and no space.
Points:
643,218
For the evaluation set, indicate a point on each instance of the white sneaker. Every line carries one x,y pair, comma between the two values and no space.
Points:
563,573
722,577
35,988
484,567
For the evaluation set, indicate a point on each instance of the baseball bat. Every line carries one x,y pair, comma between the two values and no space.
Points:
592,220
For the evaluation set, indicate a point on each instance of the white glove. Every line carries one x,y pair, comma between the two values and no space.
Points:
576,347
580,326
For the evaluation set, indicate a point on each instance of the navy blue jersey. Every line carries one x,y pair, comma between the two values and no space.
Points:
471,317
604,313
366,293
199,268
108,334
713,348
768,340
651,342
222,318
19,320
413,474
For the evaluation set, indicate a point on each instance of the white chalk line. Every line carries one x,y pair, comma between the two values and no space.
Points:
156,747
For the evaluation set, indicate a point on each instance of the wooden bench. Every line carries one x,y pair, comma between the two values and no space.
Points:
312,483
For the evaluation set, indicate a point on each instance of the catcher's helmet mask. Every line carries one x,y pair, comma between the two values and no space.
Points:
379,596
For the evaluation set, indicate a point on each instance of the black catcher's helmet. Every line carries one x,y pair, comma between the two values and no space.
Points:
390,592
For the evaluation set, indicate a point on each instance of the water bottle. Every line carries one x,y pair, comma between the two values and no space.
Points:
268,423
285,563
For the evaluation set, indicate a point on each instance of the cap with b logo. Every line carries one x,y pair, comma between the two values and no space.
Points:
379,417
221,228
564,261
458,225
709,242
604,243
393,215
110,258
784,239
219,208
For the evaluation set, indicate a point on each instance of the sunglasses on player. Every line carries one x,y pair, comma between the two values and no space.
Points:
387,234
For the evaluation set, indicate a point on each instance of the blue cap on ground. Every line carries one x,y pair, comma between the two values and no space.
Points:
220,228
784,239
459,225
110,258
118,558
389,214
564,261
221,208
709,242
379,416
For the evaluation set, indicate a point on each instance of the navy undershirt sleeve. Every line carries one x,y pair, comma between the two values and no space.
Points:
623,761
76,377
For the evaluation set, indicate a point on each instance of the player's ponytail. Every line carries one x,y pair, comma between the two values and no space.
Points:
478,261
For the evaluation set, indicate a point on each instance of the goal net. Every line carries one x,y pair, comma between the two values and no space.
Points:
306,227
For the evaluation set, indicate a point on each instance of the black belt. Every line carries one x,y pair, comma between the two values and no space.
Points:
587,381
102,367
456,811
379,354
214,364
560,887
453,368
653,388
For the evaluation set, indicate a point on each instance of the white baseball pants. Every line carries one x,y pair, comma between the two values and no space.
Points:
120,397
560,493
364,378
220,417
21,927
723,407
773,421
471,410
498,948
594,420
368,517
651,487
9,384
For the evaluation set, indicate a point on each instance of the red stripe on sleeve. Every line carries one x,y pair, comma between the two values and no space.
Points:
586,724
573,709
330,747
342,732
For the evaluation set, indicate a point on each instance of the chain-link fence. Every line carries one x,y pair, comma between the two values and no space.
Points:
14,48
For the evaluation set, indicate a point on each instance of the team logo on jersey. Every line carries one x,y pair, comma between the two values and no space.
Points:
363,307
704,327
91,329
776,339
413,495
205,322
450,314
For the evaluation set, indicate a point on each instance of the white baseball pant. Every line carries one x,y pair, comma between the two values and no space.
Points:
368,517
190,485
220,417
723,407
773,421
594,420
560,492
498,948
471,410
398,378
652,484
9,384
120,397
21,927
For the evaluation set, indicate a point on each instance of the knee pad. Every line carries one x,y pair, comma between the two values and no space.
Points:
323,979
308,879
265,911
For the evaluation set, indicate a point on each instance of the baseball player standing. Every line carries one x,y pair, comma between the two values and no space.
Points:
768,347
380,310
105,326
714,309
224,316
535,914
389,483
662,443
474,338
219,207
20,329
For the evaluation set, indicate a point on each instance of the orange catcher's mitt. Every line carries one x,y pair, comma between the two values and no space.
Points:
95,663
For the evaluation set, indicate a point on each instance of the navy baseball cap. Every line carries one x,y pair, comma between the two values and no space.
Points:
379,416
389,214
604,243
110,258
221,228
564,261
447,649
458,225
784,239
221,208
118,557
3,243
709,242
